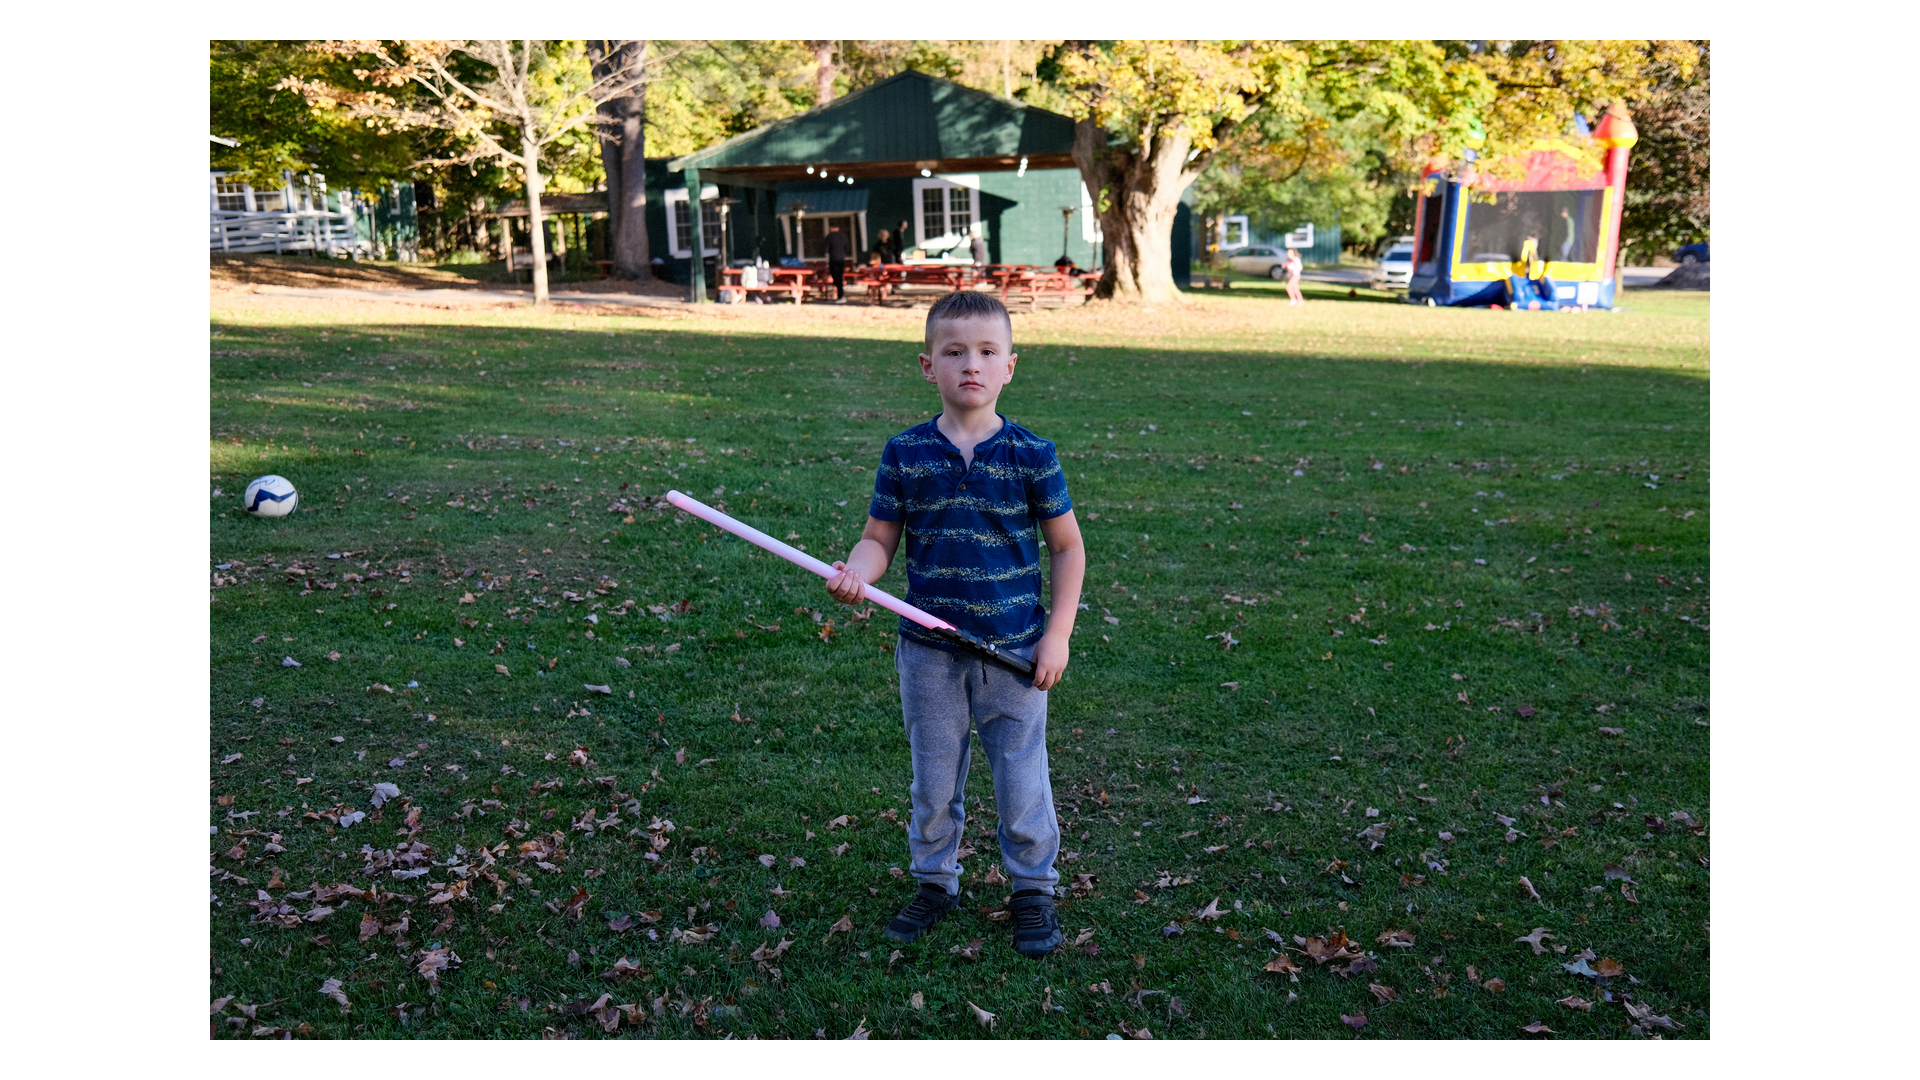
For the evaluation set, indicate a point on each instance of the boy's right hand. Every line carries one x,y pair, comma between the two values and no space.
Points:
846,586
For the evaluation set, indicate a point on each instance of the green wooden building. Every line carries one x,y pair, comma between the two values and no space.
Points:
926,159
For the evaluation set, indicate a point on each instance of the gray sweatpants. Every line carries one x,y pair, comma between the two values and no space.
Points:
943,697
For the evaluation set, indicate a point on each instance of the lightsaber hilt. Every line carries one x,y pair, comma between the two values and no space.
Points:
940,627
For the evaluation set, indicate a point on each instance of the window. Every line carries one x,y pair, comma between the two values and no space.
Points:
229,194
1089,221
681,235
269,200
1432,208
946,207
1564,226
313,193
1233,231
933,212
959,210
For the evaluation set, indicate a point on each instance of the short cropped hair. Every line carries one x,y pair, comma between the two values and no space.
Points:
966,305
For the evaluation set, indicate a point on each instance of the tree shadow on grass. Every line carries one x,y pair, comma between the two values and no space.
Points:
1506,586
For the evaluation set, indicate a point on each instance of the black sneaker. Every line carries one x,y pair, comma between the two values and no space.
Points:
1036,926
927,907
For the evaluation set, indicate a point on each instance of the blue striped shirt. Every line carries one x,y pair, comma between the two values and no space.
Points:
971,534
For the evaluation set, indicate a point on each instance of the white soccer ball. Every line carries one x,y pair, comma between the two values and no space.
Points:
271,496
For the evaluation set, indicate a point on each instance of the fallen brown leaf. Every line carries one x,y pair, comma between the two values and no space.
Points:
1382,994
1537,1028
1356,1021
1534,938
986,1018
1576,1002
1334,947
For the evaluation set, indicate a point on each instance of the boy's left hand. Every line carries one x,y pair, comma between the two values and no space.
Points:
1049,662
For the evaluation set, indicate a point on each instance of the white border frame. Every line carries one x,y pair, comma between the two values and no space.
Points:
947,240
678,197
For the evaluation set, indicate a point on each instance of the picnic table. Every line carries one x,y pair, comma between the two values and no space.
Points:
883,279
1035,282
788,280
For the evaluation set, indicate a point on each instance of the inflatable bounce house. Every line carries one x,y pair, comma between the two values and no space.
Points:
1543,242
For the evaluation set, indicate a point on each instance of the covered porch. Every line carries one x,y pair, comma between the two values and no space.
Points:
930,162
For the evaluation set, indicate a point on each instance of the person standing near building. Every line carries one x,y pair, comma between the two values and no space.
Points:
887,248
978,246
1293,266
839,250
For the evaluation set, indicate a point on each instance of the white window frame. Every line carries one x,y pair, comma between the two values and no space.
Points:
676,199
1089,221
948,239
214,194
1235,232
293,191
312,191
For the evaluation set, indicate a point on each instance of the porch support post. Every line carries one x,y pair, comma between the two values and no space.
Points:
696,244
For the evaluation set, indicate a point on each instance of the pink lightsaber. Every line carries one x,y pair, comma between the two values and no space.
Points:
799,558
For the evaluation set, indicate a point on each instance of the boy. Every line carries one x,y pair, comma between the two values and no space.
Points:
968,489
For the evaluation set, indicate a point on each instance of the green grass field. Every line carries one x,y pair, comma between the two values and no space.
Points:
1397,617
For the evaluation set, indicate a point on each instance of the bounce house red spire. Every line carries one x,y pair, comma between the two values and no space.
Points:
1616,129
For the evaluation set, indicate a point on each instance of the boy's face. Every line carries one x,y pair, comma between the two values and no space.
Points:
970,360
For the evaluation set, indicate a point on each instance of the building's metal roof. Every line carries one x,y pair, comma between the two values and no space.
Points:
833,200
907,122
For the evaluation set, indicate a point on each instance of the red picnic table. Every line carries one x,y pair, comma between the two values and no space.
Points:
1035,282
791,280
882,279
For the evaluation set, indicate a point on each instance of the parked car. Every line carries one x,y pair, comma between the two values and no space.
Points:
1395,269
1692,253
1260,260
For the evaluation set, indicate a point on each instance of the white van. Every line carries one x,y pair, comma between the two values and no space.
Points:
1395,269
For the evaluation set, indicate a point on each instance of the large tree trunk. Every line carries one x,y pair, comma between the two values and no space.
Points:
1136,195
623,148
530,165
822,71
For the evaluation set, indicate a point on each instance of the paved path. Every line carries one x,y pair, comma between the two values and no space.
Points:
1639,277
1345,275
1634,277
471,296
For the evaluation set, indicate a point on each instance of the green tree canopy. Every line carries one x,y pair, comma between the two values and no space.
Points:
276,127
